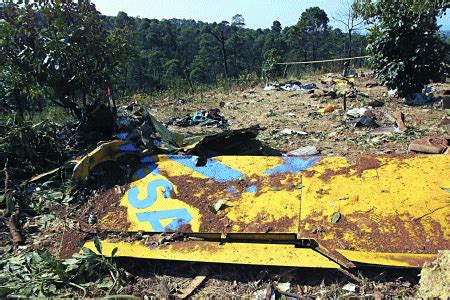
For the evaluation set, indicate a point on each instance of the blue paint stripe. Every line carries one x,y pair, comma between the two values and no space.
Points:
123,136
293,165
129,148
252,189
213,169
140,173
181,216
147,159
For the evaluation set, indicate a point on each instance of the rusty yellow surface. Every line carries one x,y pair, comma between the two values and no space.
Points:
244,213
382,210
388,259
104,152
213,252
386,205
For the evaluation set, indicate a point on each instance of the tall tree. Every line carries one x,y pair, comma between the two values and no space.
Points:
238,20
221,33
276,27
350,21
313,22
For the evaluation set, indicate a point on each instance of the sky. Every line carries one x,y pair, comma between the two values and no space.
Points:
257,13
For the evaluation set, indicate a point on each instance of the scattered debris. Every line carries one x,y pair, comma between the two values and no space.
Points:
356,112
335,217
304,151
283,287
290,86
349,287
329,108
375,103
195,283
206,118
392,93
365,121
432,145
400,120
180,101
288,131
217,206
419,99
428,90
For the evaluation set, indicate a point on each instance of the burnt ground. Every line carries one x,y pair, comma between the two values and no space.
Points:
330,132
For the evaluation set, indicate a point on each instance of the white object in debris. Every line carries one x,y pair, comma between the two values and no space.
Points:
307,150
349,287
262,294
356,112
268,88
392,93
290,87
283,287
288,131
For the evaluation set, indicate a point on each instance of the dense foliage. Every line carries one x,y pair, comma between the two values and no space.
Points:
174,54
406,49
58,50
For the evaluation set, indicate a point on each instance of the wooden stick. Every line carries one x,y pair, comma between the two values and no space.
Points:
186,292
14,229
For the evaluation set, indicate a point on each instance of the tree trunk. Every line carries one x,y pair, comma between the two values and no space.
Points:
350,43
188,79
224,54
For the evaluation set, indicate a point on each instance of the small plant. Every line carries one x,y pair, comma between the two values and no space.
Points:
270,68
40,274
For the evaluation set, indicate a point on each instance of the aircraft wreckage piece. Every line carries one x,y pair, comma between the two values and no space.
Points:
285,211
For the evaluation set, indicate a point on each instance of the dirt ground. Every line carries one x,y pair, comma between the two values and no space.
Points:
331,133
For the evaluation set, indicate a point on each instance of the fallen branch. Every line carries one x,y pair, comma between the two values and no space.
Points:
198,280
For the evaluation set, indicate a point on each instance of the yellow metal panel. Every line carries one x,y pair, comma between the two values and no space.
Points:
388,259
388,210
386,204
232,253
106,151
256,197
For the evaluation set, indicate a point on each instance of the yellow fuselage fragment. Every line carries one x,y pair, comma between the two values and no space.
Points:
288,211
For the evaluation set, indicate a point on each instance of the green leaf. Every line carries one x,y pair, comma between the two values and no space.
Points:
98,245
70,261
4,291
335,217
105,284
113,252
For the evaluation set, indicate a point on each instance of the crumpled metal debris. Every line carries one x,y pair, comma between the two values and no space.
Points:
139,133
290,86
206,118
